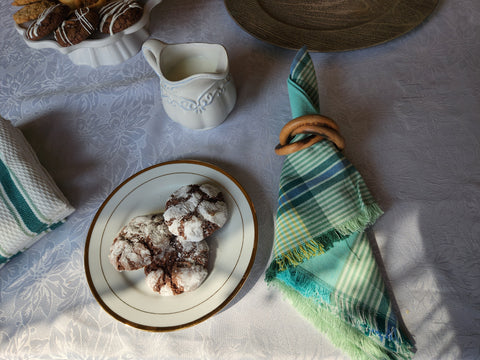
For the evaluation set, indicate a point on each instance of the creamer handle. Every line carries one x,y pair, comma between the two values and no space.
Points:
151,51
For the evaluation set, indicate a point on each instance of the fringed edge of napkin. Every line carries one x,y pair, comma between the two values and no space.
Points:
365,320
367,217
341,334
320,243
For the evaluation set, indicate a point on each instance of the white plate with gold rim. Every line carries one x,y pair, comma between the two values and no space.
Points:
125,295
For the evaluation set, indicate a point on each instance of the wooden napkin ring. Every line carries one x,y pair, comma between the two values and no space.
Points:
327,133
297,145
318,126
313,119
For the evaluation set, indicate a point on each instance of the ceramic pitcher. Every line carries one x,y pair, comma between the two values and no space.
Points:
196,86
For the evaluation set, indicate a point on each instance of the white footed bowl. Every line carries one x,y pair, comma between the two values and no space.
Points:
103,49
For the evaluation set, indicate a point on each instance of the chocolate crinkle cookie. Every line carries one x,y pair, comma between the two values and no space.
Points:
47,22
194,212
118,15
182,268
83,23
138,242
171,267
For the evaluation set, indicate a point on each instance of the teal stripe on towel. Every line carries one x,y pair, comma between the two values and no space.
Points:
15,196
3,260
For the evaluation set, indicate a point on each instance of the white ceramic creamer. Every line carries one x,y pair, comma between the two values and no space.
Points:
196,86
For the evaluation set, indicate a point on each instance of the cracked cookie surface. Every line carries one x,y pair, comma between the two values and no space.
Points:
194,212
171,267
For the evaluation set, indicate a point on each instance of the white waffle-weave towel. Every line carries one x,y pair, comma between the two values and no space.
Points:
31,204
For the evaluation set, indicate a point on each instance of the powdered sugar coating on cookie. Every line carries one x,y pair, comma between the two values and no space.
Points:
188,277
171,267
155,278
182,268
129,250
194,212
158,235
138,242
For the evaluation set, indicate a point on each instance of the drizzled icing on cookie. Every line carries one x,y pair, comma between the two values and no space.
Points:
80,15
86,24
115,10
32,31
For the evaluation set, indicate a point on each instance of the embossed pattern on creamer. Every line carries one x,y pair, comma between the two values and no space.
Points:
198,105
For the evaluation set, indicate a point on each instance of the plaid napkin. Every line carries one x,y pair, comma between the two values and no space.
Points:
30,202
322,260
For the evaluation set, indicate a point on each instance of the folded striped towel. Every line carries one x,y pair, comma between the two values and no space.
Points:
31,204
322,259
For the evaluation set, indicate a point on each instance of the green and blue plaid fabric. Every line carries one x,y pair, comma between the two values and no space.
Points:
322,260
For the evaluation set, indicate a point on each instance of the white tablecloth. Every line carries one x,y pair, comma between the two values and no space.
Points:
409,110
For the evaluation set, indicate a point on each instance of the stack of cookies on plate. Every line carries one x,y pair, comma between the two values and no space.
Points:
70,22
171,247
